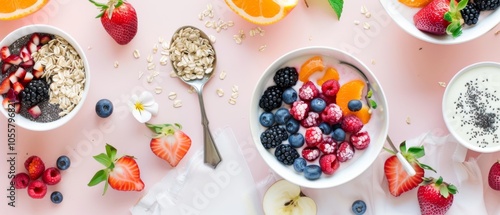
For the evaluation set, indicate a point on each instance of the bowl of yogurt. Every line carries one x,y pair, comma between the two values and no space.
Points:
471,107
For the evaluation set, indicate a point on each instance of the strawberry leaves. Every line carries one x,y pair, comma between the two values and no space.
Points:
337,6
455,18
107,160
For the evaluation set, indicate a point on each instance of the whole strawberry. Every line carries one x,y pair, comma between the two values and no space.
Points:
441,17
494,176
119,19
170,143
435,197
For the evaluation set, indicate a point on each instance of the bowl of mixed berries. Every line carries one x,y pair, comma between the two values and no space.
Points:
44,77
318,117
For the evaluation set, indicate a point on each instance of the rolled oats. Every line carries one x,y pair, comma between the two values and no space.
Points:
177,103
220,92
136,54
172,95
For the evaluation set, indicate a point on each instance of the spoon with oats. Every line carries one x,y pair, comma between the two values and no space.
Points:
193,60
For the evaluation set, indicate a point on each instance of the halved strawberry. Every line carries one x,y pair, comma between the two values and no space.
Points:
121,174
5,67
4,52
20,73
441,17
13,59
399,180
35,39
5,86
169,142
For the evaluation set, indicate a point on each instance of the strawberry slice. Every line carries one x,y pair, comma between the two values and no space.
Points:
44,40
399,180
169,143
4,52
38,70
32,47
13,59
17,86
35,39
35,111
121,174
25,54
441,17
27,78
20,73
5,103
5,67
5,86
27,64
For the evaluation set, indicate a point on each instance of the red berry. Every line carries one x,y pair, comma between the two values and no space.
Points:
327,99
311,120
328,146
310,153
313,136
299,110
51,176
360,140
331,114
330,88
329,164
37,189
345,152
494,176
352,124
21,180
35,167
308,91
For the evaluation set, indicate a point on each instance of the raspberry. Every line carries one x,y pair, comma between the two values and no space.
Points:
311,120
327,99
308,91
330,88
21,180
273,136
328,146
313,136
345,152
271,99
286,77
35,167
299,110
310,153
329,164
37,189
332,114
51,176
352,124
286,154
360,140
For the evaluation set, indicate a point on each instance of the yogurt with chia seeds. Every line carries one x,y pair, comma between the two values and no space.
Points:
471,107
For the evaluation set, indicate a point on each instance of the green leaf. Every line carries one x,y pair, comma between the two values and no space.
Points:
452,189
373,104
111,152
105,188
462,4
454,29
390,151
100,176
447,16
103,159
402,147
426,167
443,190
369,94
337,6
418,152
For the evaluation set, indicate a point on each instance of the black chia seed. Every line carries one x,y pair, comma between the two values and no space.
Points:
50,112
477,110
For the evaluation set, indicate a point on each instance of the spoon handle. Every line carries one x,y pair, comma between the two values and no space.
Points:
211,153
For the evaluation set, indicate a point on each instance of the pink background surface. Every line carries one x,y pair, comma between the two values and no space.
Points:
408,69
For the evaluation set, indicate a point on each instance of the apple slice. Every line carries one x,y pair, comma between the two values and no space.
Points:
35,39
5,67
5,86
27,78
20,73
35,111
4,52
284,197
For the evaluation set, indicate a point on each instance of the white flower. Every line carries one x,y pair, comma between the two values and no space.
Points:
143,107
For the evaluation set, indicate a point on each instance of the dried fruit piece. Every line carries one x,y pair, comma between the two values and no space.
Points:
312,65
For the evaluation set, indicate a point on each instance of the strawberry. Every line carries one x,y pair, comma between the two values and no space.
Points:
169,142
399,180
494,176
441,17
435,197
5,86
120,173
119,19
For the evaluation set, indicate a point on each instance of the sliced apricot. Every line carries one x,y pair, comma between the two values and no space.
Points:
330,73
415,3
349,91
363,114
312,65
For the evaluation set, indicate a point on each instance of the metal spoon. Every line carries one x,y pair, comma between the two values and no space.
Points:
211,153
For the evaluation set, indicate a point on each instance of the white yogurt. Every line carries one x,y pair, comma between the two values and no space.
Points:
471,105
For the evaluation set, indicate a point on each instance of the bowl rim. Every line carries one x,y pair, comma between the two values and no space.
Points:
452,131
279,62
28,29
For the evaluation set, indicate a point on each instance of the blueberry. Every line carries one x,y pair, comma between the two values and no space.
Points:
56,197
335,126
299,164
266,119
318,105
292,126
325,128
359,207
338,134
354,105
104,108
63,162
312,172
289,95
296,140
282,116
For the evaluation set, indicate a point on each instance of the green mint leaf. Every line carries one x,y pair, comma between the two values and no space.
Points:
370,93
103,159
373,104
337,6
99,177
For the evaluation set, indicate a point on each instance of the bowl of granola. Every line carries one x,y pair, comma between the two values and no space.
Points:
44,77
319,117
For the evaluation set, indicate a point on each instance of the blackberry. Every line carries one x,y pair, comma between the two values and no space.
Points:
271,99
470,14
35,92
286,154
273,136
487,4
286,77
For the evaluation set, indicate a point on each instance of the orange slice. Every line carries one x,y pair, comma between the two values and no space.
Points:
349,91
262,12
415,3
15,9
330,73
312,65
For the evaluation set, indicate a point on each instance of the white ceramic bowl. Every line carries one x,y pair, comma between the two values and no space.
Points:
403,16
38,126
480,118
377,127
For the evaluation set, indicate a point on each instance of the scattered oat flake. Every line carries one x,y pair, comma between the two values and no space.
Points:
155,48
212,38
191,90
150,78
177,103
158,90
408,120
373,62
151,66
137,54
173,74
222,75
368,14
160,39
363,9
235,88
220,92
150,59
234,95
172,95
262,48
366,26
141,73
442,84
356,22
232,101
116,64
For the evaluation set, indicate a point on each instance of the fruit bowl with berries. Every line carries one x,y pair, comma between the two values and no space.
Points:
318,117
438,22
44,77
